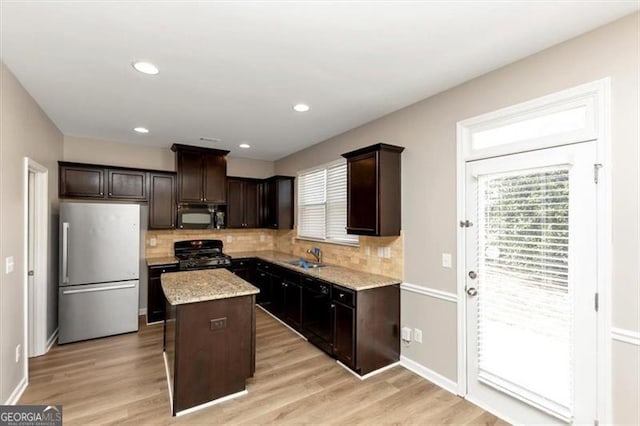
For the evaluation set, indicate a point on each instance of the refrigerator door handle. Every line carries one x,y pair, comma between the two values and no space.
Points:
65,252
90,290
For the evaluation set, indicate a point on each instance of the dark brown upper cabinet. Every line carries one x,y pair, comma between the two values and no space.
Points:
373,190
162,200
202,174
242,203
84,181
127,184
94,181
276,202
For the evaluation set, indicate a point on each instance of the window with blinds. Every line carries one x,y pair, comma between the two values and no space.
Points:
322,204
524,301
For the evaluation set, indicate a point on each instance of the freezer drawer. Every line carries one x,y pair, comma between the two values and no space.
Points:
97,310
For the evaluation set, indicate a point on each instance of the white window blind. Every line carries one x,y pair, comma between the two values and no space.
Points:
322,204
524,304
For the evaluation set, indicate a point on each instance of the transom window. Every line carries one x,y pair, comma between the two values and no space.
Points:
322,204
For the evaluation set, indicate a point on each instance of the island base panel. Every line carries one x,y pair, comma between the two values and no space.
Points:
214,349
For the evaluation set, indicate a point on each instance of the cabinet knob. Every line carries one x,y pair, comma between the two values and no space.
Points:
110,194
101,193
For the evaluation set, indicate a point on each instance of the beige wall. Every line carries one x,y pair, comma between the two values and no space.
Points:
25,131
88,150
428,131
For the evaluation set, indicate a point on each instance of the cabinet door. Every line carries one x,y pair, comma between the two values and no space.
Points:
270,199
190,178
362,187
235,204
215,178
250,204
162,201
127,184
263,282
155,295
277,296
85,182
293,304
344,334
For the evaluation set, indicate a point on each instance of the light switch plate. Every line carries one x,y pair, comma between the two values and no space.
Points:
262,238
153,242
417,335
406,334
229,238
446,260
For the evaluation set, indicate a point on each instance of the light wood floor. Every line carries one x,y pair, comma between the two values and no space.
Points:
121,380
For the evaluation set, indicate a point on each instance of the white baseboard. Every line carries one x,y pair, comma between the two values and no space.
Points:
369,374
211,403
142,311
51,340
17,392
282,322
430,375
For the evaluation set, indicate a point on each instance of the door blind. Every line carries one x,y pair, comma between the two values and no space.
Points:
524,304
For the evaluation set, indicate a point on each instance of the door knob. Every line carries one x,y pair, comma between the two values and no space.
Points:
471,291
473,275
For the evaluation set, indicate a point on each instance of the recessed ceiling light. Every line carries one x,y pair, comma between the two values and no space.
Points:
244,145
146,67
301,107
141,130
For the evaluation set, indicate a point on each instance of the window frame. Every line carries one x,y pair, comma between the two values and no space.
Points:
323,167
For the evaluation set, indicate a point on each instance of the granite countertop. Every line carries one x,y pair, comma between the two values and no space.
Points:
339,275
164,260
203,285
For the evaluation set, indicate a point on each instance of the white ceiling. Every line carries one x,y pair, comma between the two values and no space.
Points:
233,70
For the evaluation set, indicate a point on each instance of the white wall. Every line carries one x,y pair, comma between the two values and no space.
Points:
96,151
428,131
25,130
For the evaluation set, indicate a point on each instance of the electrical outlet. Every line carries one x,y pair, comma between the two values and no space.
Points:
8,265
262,238
367,251
18,347
446,260
153,242
417,335
229,238
218,323
406,334
380,251
386,252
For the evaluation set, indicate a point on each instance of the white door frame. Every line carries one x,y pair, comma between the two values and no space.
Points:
40,261
597,92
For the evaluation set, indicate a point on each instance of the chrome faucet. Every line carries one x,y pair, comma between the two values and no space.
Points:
317,253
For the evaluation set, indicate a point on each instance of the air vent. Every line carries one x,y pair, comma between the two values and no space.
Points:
212,140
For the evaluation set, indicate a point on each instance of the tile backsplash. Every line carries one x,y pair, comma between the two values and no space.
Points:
377,255
234,240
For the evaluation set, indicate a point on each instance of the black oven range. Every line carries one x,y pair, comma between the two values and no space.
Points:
200,254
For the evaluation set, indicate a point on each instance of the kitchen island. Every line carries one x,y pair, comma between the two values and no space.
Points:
209,337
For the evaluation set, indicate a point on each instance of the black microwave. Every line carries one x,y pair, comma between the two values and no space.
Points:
199,216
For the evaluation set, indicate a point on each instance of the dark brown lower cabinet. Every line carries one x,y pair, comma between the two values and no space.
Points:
344,334
361,329
210,349
244,268
155,296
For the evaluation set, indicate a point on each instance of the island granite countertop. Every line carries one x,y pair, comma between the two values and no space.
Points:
345,277
203,285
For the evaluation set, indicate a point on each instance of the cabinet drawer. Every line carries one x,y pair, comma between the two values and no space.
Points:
156,271
316,285
343,295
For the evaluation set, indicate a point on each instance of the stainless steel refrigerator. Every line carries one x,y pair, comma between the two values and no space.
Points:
99,270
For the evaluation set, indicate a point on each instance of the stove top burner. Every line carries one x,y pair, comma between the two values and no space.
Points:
200,254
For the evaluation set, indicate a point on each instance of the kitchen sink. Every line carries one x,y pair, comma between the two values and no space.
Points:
310,263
